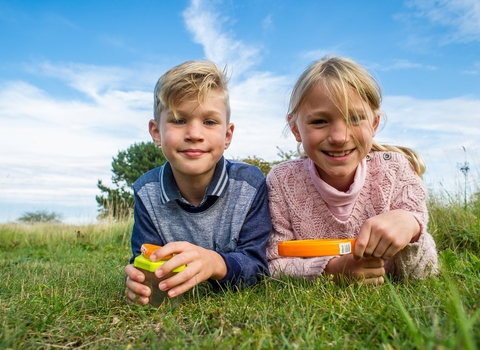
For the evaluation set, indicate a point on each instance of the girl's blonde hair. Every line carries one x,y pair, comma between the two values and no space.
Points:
339,76
191,80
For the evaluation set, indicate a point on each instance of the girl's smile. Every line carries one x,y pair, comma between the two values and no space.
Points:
337,154
335,146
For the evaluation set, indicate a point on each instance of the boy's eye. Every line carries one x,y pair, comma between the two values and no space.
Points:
210,122
178,121
318,121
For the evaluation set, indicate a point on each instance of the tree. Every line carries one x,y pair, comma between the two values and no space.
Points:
40,216
127,167
265,166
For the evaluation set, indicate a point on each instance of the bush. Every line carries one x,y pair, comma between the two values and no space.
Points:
40,216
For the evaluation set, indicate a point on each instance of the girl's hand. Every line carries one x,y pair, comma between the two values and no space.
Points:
202,264
366,270
136,291
384,235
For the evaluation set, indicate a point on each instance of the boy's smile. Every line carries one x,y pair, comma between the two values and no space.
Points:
194,140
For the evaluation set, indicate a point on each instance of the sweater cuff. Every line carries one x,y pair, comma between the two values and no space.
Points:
233,271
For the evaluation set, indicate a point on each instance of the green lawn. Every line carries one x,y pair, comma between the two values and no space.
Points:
62,287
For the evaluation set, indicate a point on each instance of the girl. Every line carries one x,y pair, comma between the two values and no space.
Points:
346,185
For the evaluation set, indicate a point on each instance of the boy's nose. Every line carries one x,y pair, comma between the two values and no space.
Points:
194,131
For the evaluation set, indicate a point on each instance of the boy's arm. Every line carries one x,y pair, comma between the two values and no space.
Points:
144,230
247,264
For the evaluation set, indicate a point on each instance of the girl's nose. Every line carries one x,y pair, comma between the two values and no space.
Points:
338,133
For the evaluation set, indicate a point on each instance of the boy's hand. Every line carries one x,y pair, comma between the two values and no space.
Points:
384,235
365,270
136,291
202,264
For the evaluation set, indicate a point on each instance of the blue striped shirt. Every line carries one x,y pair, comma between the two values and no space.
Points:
232,219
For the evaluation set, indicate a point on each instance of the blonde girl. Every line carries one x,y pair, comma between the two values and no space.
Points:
346,185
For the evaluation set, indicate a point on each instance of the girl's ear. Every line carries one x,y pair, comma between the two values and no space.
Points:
155,132
294,128
375,123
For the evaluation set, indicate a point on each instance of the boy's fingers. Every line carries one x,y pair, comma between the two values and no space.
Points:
137,288
168,250
135,298
134,274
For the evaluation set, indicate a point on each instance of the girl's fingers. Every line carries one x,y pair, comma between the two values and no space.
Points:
373,281
372,263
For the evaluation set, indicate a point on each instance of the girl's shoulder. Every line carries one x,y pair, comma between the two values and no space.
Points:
290,165
388,162
387,158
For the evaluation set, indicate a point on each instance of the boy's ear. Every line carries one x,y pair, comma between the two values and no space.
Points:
155,132
229,135
294,128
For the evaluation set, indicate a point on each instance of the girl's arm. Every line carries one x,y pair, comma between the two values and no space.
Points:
399,234
283,231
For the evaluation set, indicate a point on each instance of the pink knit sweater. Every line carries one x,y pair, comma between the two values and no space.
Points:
299,212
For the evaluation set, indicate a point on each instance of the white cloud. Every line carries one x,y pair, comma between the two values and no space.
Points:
461,15
438,129
258,106
54,150
206,26
405,64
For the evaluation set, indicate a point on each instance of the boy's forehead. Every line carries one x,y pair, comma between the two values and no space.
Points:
213,101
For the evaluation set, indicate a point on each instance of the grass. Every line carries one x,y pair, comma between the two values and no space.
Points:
62,288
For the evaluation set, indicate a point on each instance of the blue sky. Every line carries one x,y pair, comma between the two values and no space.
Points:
77,79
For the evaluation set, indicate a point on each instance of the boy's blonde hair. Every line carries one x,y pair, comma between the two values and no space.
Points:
191,80
339,76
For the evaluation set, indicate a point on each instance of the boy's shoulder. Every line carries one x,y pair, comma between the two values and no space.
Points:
241,171
149,177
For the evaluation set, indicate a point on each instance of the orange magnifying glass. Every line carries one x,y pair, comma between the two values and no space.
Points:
306,248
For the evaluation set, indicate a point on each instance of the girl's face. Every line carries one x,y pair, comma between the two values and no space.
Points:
326,139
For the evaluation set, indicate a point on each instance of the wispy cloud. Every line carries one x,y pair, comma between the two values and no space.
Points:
404,64
54,149
463,16
221,47
314,55
437,129
474,71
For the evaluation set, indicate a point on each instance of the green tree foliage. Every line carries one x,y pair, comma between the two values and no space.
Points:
127,167
40,216
265,166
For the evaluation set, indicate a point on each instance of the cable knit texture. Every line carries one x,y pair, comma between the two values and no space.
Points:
299,212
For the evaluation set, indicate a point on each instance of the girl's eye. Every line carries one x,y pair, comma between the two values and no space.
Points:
355,119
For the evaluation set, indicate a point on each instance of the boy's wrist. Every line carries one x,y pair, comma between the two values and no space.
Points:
219,266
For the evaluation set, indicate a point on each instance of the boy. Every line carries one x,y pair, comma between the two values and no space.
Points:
212,213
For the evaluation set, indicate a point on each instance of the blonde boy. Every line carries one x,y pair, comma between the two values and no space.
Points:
211,212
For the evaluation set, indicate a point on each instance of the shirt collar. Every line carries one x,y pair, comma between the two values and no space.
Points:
169,190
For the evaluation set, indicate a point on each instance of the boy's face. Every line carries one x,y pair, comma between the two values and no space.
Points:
195,141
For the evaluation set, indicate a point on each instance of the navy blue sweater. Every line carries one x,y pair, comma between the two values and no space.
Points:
233,218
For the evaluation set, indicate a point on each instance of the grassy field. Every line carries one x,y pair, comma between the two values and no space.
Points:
62,288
